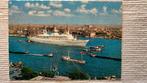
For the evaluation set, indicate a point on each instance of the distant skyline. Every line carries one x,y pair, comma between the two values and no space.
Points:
64,12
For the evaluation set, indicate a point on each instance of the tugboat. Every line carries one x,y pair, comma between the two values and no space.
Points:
92,49
67,58
95,48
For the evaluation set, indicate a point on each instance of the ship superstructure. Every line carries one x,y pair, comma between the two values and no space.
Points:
65,39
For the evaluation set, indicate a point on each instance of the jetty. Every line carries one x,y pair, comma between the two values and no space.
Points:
18,52
104,57
48,55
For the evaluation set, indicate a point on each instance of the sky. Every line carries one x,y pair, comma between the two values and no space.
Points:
64,12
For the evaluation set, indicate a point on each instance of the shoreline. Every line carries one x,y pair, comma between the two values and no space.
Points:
17,68
90,31
11,35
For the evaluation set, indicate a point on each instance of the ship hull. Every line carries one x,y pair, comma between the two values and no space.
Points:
80,43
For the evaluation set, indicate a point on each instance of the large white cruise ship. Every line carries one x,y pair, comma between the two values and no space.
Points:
58,39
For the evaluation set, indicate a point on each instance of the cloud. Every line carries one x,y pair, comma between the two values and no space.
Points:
120,9
42,13
28,5
61,13
14,9
93,11
67,10
36,6
83,10
84,1
38,13
104,11
50,13
32,12
10,2
114,11
44,6
55,4
117,11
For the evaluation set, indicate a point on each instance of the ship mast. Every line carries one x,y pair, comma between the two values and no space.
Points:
67,28
81,57
68,54
55,30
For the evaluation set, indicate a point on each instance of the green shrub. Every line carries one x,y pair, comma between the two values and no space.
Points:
48,74
78,75
27,73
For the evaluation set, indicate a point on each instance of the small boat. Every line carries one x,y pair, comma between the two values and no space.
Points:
82,52
49,55
93,55
19,40
95,48
29,41
36,54
67,58
85,50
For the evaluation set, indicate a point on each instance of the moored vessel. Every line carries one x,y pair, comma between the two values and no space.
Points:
67,58
65,39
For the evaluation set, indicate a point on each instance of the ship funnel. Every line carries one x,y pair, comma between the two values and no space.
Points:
68,30
55,30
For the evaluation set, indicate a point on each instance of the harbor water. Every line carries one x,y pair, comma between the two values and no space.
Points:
95,67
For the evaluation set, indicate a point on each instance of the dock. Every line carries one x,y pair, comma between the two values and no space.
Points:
23,53
18,52
104,57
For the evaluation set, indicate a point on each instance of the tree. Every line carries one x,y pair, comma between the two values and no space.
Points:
27,73
77,74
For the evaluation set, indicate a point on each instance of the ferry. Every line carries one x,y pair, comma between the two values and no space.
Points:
67,58
65,39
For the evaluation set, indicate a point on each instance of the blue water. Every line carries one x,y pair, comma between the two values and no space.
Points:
94,66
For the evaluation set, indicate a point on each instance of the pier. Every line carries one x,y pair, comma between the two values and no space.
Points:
110,58
18,52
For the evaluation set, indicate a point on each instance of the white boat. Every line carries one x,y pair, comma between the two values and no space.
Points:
65,39
50,54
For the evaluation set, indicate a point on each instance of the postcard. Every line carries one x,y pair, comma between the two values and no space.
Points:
65,40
